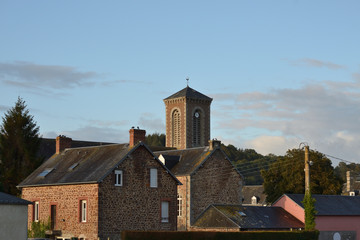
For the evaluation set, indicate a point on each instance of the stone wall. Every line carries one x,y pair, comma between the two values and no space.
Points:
184,191
135,205
216,182
67,200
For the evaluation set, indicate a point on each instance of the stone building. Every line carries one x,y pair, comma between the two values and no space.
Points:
206,173
99,191
207,176
187,119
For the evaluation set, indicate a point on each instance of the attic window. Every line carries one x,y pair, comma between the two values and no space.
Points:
73,166
242,213
45,172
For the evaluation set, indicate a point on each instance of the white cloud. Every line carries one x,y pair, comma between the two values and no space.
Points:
151,123
325,116
272,144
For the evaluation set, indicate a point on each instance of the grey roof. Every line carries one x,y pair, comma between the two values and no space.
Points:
249,191
247,218
12,200
329,205
188,92
82,165
189,159
48,146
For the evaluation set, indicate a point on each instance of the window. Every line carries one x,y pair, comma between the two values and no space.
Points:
45,172
176,128
118,177
180,203
153,178
83,210
196,129
36,211
52,216
164,212
254,200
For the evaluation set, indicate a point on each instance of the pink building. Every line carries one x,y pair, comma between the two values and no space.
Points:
338,217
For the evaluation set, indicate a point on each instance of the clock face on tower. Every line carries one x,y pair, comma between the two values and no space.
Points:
197,114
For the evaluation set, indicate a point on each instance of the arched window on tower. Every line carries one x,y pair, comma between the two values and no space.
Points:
196,129
176,128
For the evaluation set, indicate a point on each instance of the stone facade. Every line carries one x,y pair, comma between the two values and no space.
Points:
215,182
187,108
136,205
67,200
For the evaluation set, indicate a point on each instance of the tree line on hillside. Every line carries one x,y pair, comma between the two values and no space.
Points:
20,142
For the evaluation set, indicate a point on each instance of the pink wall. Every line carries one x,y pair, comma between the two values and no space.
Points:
323,223
291,207
339,223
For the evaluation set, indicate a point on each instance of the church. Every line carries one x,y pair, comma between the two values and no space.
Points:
206,173
94,190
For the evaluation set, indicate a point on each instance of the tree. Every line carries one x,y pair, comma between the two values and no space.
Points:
286,175
19,144
155,139
248,162
342,168
310,212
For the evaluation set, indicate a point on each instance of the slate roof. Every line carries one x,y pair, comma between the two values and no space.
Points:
247,218
188,92
48,146
12,200
249,191
189,159
331,205
82,165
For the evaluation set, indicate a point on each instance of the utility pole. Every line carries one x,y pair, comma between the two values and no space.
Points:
307,170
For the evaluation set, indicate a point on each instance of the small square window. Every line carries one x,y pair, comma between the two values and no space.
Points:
118,177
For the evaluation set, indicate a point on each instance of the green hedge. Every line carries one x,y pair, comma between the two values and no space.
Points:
258,235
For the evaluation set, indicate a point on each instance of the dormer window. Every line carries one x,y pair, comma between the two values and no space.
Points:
254,200
118,177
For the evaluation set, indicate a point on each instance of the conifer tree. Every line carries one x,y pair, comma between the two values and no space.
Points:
19,144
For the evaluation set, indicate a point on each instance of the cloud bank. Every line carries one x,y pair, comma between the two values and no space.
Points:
324,114
38,77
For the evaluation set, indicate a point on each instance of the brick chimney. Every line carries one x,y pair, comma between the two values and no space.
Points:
136,135
214,144
62,142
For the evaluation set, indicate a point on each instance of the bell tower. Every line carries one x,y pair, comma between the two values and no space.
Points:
187,119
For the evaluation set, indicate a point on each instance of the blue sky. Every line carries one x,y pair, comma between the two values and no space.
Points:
280,72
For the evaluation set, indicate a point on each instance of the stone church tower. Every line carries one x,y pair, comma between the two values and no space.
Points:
187,119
